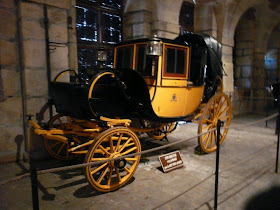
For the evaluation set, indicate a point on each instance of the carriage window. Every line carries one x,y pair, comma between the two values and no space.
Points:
175,62
124,57
145,64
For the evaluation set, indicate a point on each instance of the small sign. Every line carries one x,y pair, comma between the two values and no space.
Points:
171,161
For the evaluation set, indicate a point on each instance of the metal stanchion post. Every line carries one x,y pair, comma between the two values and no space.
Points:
34,183
33,175
219,124
278,138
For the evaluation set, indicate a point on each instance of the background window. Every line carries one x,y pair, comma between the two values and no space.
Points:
99,24
186,18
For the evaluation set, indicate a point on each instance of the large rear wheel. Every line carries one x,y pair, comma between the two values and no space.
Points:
217,108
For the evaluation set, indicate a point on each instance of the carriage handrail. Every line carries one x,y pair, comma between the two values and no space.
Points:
101,74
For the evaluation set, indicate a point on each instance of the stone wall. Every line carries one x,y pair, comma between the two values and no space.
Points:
11,123
23,65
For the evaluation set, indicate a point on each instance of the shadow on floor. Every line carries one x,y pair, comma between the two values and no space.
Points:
268,200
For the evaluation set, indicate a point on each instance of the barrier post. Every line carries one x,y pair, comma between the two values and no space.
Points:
34,183
219,124
278,138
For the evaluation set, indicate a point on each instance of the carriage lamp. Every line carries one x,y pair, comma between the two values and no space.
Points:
154,47
101,55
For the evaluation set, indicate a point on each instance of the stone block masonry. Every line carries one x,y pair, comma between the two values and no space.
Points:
32,78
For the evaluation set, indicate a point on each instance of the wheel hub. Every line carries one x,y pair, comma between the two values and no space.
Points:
117,163
215,122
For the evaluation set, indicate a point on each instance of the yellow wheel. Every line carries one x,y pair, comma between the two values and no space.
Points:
55,148
112,143
160,131
217,108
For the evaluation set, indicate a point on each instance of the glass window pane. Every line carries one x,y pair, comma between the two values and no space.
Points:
170,60
110,58
116,4
86,24
140,59
186,19
180,68
112,28
124,57
86,58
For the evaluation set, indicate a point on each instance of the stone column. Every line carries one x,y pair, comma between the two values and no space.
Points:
137,19
205,20
11,123
258,81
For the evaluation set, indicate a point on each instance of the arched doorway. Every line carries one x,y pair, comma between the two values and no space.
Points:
272,62
243,55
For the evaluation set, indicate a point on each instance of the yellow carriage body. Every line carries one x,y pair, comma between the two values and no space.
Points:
172,94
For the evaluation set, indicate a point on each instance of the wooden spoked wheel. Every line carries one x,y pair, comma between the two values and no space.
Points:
112,143
55,148
217,108
160,131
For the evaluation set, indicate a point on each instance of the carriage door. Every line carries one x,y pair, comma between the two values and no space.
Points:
174,80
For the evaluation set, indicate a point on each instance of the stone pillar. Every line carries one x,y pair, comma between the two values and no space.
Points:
145,18
258,82
137,20
30,78
11,123
205,20
166,18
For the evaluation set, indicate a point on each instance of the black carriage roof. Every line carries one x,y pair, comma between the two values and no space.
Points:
189,39
184,40
135,41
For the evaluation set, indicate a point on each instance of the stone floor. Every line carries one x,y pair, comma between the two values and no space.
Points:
247,179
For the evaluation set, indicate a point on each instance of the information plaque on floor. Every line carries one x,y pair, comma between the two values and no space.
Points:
171,161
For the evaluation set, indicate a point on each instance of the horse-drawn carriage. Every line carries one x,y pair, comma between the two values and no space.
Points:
154,83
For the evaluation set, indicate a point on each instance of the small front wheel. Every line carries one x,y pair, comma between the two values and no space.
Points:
55,148
112,143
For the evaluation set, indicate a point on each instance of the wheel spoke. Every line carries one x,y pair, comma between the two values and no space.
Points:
99,168
223,112
118,174
103,149
77,140
131,159
53,145
226,117
204,137
211,140
110,176
207,127
129,151
208,120
111,145
124,145
98,159
222,106
207,141
60,149
219,105
119,142
102,175
127,170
